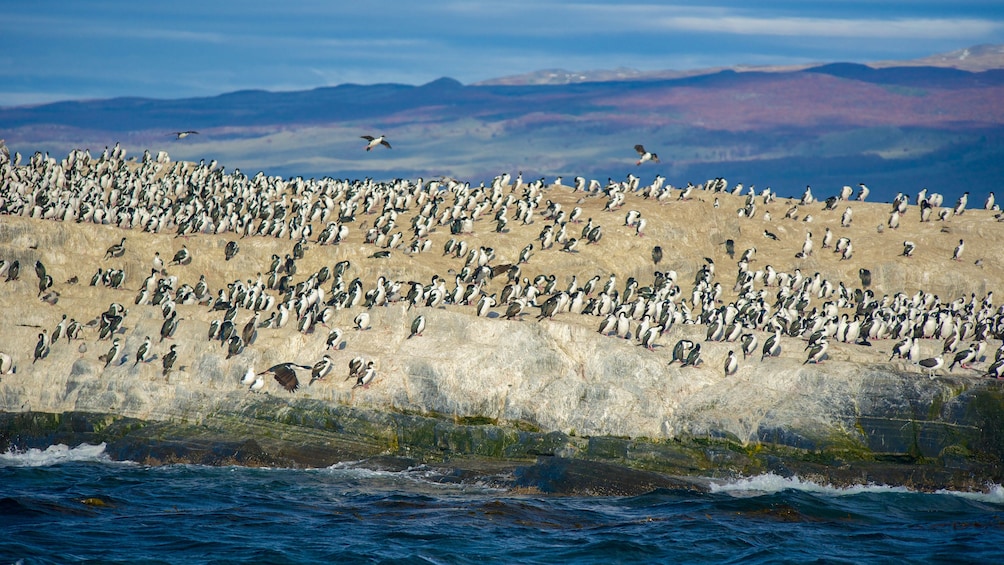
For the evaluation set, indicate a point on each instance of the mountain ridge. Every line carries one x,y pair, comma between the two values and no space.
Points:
908,125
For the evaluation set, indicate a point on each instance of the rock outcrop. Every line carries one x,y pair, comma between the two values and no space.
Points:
473,390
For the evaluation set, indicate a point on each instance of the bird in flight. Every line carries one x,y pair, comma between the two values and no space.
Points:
374,141
645,155
184,134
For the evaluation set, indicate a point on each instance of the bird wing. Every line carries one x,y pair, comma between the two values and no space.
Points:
384,142
287,378
640,149
367,137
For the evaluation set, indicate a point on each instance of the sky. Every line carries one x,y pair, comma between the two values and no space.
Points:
71,49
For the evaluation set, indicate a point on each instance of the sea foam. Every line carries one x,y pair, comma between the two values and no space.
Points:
770,483
53,455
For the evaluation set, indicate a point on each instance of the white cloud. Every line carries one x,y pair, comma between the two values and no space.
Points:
901,28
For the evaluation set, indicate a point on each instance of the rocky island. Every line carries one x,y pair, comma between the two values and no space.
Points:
579,335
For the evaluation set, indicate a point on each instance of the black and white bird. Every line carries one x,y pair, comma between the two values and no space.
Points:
182,257
334,338
142,352
772,346
112,353
6,364
681,350
184,134
231,250
908,248
749,342
417,326
645,155
285,374
116,250
375,141
42,346
817,351
366,376
963,358
932,364
169,359
770,235
957,256
866,277
249,377
321,369
362,321
731,364
694,357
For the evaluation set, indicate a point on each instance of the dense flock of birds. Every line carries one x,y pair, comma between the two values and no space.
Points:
154,194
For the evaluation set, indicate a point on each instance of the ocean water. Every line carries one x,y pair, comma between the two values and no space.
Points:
74,505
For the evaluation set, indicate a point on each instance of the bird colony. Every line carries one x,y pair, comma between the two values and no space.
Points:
709,277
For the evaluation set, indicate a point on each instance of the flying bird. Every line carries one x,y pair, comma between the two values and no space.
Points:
645,155
374,141
285,374
184,134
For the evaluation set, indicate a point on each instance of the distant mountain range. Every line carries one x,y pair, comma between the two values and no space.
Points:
936,123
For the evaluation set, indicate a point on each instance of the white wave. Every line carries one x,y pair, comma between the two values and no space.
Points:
53,455
994,494
771,483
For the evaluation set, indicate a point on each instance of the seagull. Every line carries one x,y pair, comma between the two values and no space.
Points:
248,378
257,385
932,364
184,134
645,155
374,141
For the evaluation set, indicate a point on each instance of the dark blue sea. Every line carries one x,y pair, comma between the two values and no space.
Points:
74,505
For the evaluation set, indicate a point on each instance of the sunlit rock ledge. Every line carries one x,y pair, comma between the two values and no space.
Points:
484,388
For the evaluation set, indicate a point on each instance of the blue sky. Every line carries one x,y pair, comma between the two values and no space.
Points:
72,49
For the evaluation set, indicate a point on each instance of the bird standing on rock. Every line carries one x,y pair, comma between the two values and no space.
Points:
182,257
731,364
142,352
321,369
169,359
116,250
42,346
417,326
957,256
932,364
112,353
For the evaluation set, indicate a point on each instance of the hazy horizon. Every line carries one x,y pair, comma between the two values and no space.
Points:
62,50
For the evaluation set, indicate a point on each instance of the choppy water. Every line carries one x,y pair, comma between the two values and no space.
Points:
63,505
